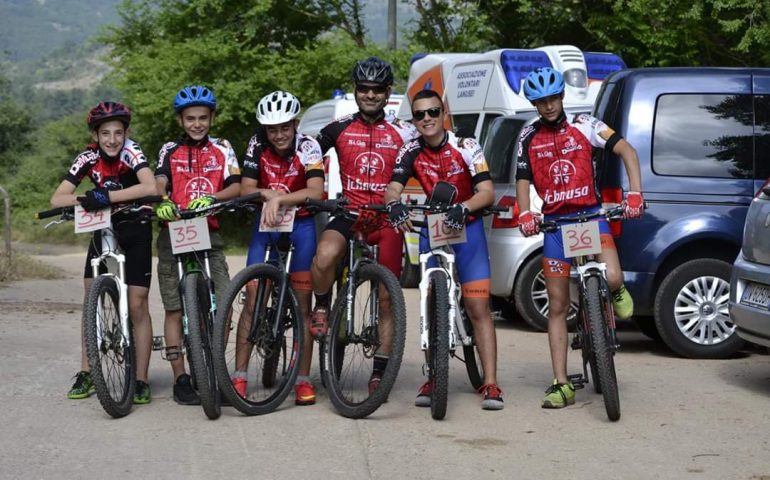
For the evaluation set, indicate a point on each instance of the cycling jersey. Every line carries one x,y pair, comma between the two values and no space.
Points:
194,169
458,161
275,172
112,175
367,153
558,160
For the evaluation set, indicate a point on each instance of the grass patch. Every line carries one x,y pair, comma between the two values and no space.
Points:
23,267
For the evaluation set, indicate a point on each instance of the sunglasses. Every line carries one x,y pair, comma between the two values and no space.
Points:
420,114
377,89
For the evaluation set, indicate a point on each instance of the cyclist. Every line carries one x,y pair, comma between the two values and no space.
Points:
555,154
438,155
367,144
195,171
286,167
119,172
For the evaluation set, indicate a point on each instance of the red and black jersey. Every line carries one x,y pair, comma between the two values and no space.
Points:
367,153
195,169
459,161
558,160
285,174
112,175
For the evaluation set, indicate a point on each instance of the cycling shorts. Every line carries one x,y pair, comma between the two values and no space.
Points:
389,241
135,239
555,263
471,259
304,240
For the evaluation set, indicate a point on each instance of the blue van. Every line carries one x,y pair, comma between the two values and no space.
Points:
703,139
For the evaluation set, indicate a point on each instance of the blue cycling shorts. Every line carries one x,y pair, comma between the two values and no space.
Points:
471,257
303,237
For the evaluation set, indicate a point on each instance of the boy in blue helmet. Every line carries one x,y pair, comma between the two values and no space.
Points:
195,171
555,154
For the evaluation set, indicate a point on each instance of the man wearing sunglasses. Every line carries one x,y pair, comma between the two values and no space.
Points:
367,144
436,157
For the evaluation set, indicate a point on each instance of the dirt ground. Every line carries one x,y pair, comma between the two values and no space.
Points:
691,419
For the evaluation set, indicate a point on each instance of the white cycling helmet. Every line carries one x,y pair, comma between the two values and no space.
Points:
277,107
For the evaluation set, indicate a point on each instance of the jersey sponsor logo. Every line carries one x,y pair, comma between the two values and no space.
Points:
357,143
84,159
197,187
369,164
545,154
279,187
555,266
352,134
253,144
254,165
212,165
575,193
561,172
386,142
542,145
454,169
112,183
570,146
356,184
606,132
481,166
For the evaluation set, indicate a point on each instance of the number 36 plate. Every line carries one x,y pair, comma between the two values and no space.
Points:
581,239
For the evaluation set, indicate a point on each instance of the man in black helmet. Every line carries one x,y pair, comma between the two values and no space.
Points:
367,144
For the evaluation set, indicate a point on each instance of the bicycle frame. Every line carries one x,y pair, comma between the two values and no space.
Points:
284,264
456,329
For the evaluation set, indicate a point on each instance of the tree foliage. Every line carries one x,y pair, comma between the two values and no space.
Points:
15,125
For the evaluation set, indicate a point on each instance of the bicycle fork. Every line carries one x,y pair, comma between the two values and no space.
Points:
109,246
454,311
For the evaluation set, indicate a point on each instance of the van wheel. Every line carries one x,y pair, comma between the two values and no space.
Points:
531,297
691,310
410,274
647,327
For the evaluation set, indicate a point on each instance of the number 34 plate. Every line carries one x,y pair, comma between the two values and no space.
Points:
581,239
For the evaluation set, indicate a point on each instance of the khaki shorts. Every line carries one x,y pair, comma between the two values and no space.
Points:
168,273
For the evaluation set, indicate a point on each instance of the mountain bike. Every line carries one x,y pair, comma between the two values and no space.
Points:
595,329
444,323
356,329
266,345
190,245
107,327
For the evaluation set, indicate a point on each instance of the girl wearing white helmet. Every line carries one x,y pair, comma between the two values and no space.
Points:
286,167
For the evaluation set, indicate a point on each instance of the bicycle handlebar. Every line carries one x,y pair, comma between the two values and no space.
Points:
613,214
133,205
217,207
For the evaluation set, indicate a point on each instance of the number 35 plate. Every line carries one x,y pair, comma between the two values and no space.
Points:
581,239
189,235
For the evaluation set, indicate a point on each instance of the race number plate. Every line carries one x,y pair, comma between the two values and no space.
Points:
189,235
581,239
440,235
285,221
756,295
90,221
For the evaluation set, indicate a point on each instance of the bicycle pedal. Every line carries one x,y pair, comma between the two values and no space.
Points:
577,380
171,353
577,342
158,343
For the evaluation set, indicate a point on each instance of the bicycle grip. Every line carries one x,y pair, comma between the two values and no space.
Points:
51,213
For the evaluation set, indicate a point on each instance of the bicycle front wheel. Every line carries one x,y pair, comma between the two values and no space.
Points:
604,367
349,352
438,349
257,343
471,355
197,303
111,354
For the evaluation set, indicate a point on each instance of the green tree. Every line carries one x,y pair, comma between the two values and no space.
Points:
15,125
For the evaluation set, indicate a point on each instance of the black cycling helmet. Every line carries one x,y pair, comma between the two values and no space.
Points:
106,111
372,70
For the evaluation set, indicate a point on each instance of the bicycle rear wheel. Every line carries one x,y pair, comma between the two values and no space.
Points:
600,346
255,344
348,355
111,354
438,348
471,355
197,303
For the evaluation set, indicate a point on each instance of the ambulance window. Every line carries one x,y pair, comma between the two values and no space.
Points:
465,125
485,126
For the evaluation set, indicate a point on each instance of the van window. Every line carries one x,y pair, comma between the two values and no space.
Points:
488,117
501,147
762,136
465,125
704,135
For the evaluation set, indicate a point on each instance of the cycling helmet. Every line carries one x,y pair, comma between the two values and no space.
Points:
372,70
277,107
543,82
195,95
108,111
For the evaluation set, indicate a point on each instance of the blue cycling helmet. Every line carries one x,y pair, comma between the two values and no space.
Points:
194,95
543,82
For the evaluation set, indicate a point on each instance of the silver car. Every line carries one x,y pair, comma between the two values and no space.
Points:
516,261
750,282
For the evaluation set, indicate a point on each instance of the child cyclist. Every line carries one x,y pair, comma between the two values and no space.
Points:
195,171
119,172
286,167
555,154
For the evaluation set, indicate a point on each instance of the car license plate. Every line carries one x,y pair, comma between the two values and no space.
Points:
756,295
